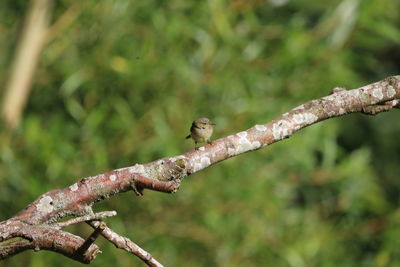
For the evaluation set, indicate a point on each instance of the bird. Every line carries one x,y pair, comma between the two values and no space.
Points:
201,131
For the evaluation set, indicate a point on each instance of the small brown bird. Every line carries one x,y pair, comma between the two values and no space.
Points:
201,131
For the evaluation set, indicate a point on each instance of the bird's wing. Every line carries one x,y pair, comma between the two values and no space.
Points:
194,126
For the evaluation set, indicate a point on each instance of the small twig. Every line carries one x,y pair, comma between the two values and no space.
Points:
90,240
127,245
141,182
375,110
378,108
136,189
96,216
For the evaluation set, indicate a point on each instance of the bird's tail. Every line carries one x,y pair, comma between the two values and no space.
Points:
187,137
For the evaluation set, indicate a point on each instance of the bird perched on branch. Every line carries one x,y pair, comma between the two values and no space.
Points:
201,131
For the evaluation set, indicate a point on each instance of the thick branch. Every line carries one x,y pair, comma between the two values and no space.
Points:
40,237
165,174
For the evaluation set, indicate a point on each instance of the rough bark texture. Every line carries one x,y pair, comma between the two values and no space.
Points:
36,222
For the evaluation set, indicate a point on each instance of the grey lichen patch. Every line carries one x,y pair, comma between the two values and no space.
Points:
231,152
383,84
61,201
73,187
255,144
365,89
391,92
229,146
113,177
338,99
156,171
334,98
166,169
45,205
98,188
261,128
355,92
280,129
243,144
331,112
201,163
242,134
137,168
304,118
101,176
377,93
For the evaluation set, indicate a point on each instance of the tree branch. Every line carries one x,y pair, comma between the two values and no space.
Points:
166,174
127,245
97,216
39,237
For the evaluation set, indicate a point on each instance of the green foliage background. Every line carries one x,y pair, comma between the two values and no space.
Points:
122,80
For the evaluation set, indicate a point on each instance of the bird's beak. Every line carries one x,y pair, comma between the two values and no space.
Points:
212,123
